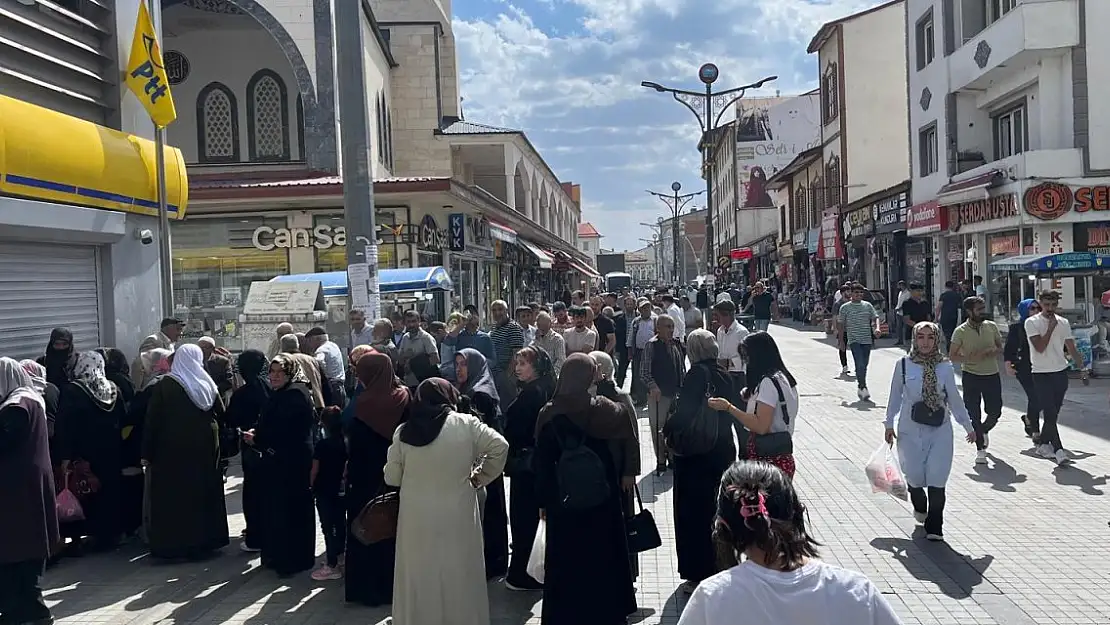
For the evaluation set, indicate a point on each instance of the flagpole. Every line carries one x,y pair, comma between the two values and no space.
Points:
165,262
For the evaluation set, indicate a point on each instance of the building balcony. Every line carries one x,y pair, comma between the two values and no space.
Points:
1031,165
1031,31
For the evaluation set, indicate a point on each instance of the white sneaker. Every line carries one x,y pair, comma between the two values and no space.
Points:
864,394
920,517
1045,451
859,393
1062,457
981,456
326,573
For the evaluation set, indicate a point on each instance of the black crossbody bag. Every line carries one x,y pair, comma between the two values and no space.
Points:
921,412
773,444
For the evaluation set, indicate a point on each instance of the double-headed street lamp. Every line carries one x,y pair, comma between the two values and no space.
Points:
676,203
703,106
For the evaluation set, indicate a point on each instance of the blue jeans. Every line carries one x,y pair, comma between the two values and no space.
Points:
861,355
761,325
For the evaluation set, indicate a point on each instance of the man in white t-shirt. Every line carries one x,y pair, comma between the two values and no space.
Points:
1049,336
671,309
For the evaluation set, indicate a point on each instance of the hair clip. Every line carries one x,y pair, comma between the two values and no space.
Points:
759,508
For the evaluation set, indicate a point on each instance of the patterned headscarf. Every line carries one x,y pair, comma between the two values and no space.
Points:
89,375
930,392
292,369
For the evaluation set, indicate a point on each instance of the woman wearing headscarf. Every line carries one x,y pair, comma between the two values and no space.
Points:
380,407
926,377
1016,355
181,450
314,378
536,374
439,459
587,574
27,496
243,412
60,358
118,372
478,392
133,503
90,418
49,393
283,437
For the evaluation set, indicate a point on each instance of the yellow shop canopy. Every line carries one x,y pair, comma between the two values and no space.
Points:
51,156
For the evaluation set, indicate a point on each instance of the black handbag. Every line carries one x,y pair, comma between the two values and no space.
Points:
772,444
921,412
643,533
692,433
520,462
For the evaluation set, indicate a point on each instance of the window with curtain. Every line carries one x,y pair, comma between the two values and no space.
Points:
817,202
833,183
267,117
218,125
799,214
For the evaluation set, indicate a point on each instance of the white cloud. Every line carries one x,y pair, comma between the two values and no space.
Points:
573,83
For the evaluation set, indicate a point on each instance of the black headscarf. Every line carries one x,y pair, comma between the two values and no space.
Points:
118,371
436,398
254,368
248,401
59,363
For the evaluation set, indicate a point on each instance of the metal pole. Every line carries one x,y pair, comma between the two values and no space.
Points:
674,233
165,259
358,182
707,167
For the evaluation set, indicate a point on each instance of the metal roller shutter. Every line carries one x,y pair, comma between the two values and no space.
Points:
44,286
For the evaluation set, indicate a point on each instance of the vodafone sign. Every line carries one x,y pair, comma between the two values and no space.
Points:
926,218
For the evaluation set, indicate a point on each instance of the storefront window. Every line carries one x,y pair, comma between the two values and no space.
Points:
214,263
463,275
1006,289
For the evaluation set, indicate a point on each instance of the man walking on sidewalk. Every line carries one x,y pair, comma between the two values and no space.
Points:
859,322
976,344
1049,337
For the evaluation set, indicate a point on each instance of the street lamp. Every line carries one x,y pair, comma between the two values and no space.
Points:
703,106
676,203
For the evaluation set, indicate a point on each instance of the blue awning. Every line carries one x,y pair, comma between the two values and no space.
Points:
1054,263
389,280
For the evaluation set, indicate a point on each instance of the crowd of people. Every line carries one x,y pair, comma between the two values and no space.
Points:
443,412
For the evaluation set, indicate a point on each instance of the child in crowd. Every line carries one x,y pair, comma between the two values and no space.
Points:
329,464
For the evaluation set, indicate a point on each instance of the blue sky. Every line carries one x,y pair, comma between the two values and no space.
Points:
567,72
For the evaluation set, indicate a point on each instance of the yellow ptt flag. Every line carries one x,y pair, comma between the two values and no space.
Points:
146,73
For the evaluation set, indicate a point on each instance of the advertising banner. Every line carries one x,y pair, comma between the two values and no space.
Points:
770,133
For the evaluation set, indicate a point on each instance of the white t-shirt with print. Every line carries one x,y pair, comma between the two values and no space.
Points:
815,594
767,394
1054,357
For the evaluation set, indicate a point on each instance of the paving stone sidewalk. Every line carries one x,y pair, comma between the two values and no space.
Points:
1026,540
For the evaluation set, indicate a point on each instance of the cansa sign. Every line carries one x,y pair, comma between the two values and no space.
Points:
321,237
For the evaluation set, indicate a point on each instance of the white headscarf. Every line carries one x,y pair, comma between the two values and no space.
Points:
16,385
188,370
89,373
37,374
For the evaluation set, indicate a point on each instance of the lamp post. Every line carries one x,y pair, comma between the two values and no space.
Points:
707,107
676,203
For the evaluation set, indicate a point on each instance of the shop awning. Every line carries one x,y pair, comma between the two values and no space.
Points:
502,233
584,269
542,256
968,190
389,280
1054,263
50,156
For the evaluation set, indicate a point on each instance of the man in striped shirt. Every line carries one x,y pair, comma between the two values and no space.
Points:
508,338
858,322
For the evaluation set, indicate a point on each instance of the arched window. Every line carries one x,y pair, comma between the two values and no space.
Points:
816,201
389,138
798,215
833,183
379,125
267,117
218,127
300,127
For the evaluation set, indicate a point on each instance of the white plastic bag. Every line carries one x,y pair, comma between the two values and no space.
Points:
69,510
885,473
535,567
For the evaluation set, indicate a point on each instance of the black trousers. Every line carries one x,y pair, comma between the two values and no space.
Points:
1051,388
930,501
985,390
1032,404
21,592
639,393
333,523
524,518
622,367
254,504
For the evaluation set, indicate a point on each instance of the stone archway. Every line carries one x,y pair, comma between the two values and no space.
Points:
316,134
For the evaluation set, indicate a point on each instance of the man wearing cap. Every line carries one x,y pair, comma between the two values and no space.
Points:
163,339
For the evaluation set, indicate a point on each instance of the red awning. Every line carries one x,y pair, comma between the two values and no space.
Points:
584,269
968,190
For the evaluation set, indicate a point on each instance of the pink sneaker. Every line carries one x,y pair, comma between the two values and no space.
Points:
326,573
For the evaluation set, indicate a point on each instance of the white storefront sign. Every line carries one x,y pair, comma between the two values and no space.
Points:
321,237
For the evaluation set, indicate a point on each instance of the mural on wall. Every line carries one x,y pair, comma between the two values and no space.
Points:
770,133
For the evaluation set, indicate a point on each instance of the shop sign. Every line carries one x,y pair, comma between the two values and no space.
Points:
1051,200
858,223
740,254
926,218
831,246
813,241
889,214
456,232
1003,244
981,211
1097,238
429,233
321,237
799,239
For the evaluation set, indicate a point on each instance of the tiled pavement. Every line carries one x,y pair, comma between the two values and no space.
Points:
1026,541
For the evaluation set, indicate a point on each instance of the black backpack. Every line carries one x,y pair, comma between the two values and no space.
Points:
692,433
581,477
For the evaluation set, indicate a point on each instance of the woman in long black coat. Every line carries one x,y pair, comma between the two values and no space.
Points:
587,572
90,417
284,438
243,412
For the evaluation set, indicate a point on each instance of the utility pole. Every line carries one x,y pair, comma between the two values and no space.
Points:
358,175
